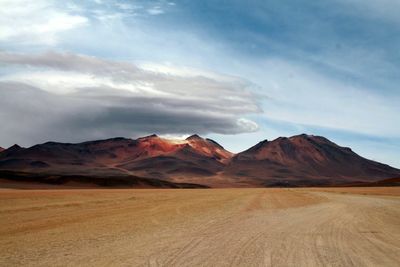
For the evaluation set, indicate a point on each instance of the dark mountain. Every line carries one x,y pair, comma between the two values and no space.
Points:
302,160
31,180
305,160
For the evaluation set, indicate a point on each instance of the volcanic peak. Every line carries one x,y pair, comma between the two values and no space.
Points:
14,147
194,137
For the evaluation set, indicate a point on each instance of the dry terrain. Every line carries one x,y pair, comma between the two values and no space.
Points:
200,227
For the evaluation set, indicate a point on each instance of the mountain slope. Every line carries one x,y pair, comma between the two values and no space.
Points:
304,160
149,156
194,156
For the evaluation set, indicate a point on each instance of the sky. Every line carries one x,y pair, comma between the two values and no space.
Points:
235,71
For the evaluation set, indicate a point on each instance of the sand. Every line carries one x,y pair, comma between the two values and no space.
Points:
203,227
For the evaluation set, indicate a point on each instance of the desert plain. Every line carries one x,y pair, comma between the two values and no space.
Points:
200,227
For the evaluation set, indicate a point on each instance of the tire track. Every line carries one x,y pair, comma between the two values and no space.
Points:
241,227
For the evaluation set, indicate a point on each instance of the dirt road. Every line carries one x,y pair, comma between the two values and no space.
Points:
221,227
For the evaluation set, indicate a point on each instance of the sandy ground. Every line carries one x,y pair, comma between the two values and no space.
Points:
218,227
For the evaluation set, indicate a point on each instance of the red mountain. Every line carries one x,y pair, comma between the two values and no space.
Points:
149,157
304,160
1,149
169,159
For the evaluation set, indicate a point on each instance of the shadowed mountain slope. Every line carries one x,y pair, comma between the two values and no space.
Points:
150,156
305,160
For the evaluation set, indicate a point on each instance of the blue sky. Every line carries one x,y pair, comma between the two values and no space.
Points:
235,71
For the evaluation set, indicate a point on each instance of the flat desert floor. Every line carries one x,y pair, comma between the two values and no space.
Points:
209,227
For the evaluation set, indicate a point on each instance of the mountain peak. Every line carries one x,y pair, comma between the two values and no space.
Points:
258,146
304,157
310,136
14,147
194,137
149,136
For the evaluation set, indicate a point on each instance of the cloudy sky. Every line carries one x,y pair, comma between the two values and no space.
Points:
235,71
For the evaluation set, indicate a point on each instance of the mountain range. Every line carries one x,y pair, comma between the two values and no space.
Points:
153,161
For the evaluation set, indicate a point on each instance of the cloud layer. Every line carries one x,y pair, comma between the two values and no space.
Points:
70,97
35,22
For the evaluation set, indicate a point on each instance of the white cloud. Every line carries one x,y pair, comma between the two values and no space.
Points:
101,98
125,6
247,124
39,21
156,10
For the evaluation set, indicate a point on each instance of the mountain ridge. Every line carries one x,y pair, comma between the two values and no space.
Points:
300,160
